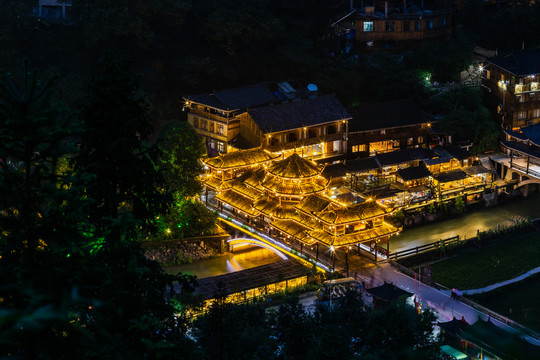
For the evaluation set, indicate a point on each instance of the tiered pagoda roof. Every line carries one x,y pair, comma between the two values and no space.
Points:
241,158
291,228
294,167
354,213
237,201
276,185
353,238
254,192
272,208
313,203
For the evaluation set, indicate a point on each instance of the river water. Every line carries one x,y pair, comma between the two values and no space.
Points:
464,226
468,224
241,260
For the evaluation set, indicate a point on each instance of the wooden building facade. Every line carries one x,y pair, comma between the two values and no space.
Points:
514,87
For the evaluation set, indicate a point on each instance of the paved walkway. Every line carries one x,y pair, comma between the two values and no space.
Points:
438,300
502,283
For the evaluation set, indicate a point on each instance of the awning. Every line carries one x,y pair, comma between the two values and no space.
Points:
455,354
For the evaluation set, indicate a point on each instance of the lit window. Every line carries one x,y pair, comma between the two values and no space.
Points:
536,113
368,25
443,21
522,115
430,24
220,130
358,148
221,147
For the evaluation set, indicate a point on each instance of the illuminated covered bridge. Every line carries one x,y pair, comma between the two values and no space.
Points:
289,199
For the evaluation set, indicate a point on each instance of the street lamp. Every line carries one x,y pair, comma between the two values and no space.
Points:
333,251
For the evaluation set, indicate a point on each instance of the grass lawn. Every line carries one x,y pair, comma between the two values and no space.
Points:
499,260
517,301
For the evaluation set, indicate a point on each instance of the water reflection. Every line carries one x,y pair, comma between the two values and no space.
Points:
245,259
469,224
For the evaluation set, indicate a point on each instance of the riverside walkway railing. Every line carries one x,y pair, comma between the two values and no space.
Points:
533,335
423,248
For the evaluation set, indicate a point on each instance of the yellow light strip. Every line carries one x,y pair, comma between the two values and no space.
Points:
303,261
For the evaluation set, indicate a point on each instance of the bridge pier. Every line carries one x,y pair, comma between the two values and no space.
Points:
525,190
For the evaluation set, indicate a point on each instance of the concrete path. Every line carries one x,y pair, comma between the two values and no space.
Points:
502,283
438,300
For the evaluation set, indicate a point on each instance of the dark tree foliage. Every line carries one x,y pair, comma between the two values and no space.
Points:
69,290
126,23
460,113
506,27
114,147
40,219
345,331
181,151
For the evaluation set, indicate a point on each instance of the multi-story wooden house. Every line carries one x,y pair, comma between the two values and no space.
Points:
216,116
513,83
392,22
280,120
315,127
385,127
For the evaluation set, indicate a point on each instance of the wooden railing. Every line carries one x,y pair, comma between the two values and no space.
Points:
423,248
488,312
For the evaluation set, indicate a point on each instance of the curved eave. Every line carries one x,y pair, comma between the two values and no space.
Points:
334,223
355,238
529,152
239,202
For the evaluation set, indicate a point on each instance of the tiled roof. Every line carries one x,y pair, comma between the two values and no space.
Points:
531,132
334,171
404,156
250,278
394,157
399,113
212,182
457,151
414,173
237,98
519,63
451,175
313,203
241,188
240,158
354,213
529,150
253,178
368,163
238,201
291,228
272,208
294,167
274,184
354,238
438,160
298,114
